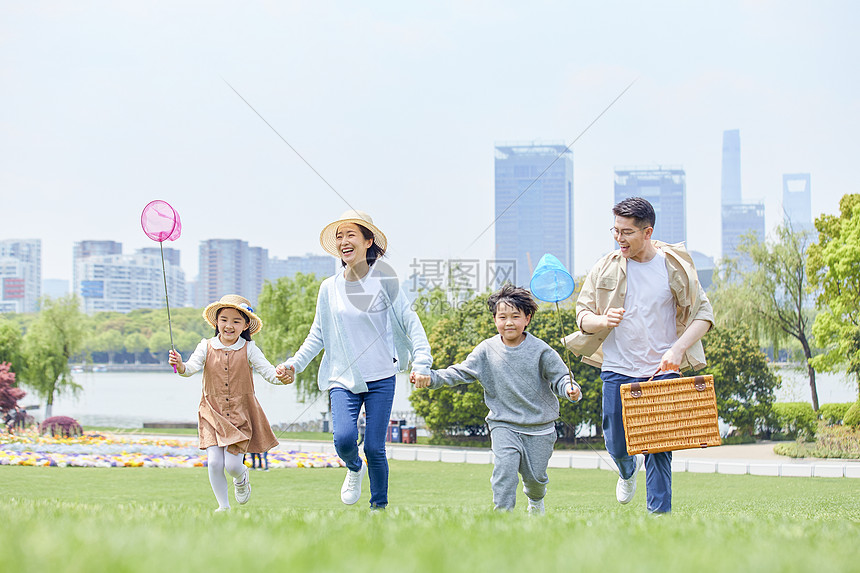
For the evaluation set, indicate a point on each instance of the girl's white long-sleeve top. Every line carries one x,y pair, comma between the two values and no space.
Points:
256,358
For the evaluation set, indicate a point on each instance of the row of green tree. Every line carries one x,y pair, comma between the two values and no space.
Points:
794,288
41,347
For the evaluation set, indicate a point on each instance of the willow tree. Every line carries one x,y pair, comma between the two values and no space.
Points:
52,339
772,296
287,308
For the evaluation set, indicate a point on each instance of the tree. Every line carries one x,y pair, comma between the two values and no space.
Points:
108,341
773,298
9,394
588,411
159,345
287,308
743,382
51,341
10,345
452,410
834,266
136,343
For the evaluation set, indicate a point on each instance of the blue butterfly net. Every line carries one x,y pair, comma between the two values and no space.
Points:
550,281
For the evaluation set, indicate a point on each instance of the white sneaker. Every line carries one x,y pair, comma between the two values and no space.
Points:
536,507
625,489
222,510
350,492
243,490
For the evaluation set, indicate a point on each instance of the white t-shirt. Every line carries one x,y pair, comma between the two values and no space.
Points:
363,308
636,346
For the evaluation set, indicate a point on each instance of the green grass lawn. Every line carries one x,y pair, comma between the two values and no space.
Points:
440,519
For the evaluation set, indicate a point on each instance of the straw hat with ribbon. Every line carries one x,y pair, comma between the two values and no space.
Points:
241,304
328,238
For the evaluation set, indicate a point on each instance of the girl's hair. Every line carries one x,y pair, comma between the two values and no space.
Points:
246,334
374,252
517,297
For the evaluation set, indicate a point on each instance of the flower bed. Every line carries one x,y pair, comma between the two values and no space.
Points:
93,449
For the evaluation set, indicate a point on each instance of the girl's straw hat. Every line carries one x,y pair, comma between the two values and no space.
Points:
329,242
240,303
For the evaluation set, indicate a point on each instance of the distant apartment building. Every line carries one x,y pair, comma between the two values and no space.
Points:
738,218
666,189
533,207
20,275
122,283
230,266
797,201
321,266
171,255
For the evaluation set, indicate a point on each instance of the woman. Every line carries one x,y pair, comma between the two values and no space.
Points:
369,332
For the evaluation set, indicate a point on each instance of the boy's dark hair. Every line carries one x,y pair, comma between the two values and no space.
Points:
374,252
638,209
517,297
246,334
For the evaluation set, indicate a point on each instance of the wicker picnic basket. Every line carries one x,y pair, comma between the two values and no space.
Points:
670,414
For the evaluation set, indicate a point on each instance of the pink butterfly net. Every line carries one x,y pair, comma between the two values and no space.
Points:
160,221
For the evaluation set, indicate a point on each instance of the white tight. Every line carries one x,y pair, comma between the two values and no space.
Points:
219,459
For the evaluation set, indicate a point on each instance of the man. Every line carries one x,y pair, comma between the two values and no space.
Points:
641,311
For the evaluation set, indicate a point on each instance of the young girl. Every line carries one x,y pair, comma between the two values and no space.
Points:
230,420
369,332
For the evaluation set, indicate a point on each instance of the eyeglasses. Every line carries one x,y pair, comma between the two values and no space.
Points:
626,233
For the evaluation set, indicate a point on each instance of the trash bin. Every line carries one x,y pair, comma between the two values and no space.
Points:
393,434
408,434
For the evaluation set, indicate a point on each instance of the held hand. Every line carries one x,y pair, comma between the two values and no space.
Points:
613,317
284,374
175,360
420,380
574,393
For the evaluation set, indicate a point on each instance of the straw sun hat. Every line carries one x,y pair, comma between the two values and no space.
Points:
240,303
329,242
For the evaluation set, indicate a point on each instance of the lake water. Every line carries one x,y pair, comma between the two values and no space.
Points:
128,399
832,388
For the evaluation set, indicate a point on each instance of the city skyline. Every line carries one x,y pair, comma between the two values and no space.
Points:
398,107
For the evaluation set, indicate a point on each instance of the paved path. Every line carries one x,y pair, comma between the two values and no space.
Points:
753,459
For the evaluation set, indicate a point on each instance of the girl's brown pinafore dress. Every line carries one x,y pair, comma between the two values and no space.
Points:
229,414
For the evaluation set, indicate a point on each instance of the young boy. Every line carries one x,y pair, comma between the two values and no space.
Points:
521,376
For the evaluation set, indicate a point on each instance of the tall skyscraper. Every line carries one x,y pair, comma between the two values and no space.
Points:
797,201
20,275
666,189
533,206
321,266
122,283
730,184
738,218
230,266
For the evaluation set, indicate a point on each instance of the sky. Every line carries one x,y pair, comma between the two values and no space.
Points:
105,106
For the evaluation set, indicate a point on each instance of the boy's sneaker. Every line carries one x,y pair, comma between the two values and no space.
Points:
243,489
222,510
350,492
536,507
625,489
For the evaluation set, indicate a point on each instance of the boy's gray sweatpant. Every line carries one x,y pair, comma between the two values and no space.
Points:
519,453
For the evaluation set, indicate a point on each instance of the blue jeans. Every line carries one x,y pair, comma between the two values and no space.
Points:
345,407
658,467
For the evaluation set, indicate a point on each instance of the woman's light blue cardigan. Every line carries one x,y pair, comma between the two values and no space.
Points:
338,367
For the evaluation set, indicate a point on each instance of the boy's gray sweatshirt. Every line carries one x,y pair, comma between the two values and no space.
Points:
520,383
